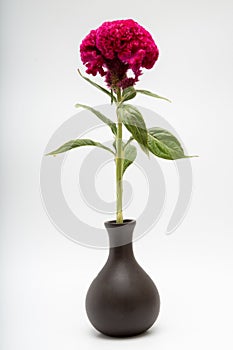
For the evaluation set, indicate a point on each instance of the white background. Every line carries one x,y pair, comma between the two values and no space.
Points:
44,276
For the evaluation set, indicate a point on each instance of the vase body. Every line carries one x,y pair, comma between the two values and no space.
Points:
122,300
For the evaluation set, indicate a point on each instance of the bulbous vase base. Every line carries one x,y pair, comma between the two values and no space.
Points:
122,301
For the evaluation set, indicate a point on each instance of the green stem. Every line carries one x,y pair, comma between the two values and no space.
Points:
119,166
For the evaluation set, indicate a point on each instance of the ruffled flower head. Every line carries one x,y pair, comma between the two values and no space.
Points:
117,47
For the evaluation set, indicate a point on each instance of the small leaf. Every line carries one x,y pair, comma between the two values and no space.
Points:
164,145
98,86
77,143
102,117
130,153
129,140
114,144
128,93
149,93
134,122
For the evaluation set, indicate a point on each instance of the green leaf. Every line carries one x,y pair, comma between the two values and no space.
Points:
134,122
77,143
128,93
149,93
102,117
130,153
164,145
98,86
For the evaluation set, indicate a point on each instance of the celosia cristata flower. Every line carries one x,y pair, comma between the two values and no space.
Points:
114,48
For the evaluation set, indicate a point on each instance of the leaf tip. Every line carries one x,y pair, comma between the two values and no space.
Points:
50,154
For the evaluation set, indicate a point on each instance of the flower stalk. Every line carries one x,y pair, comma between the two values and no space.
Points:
112,50
119,165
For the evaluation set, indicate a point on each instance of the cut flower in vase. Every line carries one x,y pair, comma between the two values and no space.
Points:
122,300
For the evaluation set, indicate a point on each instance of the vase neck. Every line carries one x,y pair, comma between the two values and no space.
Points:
124,252
120,239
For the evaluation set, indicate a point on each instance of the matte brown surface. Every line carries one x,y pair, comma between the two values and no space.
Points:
122,300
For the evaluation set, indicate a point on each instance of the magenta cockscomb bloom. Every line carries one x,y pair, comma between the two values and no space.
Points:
116,47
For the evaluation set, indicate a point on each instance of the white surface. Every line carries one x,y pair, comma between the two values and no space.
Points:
44,277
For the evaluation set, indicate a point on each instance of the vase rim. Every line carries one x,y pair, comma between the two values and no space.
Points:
113,223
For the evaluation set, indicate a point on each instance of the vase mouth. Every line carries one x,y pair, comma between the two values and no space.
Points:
113,223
